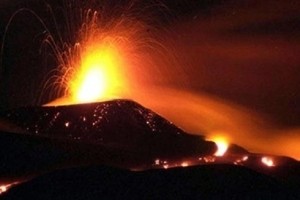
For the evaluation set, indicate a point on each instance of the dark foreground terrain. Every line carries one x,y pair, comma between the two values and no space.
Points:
202,182
121,150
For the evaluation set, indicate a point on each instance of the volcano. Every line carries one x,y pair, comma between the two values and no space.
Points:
119,133
120,124
111,140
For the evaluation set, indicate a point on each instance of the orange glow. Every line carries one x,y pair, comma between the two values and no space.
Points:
267,161
115,61
98,75
105,61
222,145
200,112
91,87
184,164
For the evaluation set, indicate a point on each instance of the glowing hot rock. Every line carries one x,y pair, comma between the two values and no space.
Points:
6,187
267,161
222,145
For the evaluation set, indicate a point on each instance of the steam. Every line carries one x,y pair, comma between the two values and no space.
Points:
204,114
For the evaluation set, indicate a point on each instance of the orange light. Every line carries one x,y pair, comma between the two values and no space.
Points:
184,164
267,161
98,75
222,145
92,86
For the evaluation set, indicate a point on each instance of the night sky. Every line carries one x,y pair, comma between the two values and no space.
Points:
243,52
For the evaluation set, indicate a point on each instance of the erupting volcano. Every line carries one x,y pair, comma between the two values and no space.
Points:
120,103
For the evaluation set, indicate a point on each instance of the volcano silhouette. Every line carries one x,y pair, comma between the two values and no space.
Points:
119,125
103,140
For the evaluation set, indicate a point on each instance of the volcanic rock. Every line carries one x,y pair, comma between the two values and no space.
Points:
120,126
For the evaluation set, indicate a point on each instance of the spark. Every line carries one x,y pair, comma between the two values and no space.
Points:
245,158
67,124
107,55
157,162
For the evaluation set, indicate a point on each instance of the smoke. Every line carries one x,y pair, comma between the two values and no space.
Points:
203,114
236,75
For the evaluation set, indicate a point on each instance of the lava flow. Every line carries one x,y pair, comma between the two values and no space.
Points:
222,145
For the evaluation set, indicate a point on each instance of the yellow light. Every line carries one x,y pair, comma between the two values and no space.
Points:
92,86
222,145
222,148
98,76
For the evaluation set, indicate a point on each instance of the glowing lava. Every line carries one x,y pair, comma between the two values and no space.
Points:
120,58
222,145
92,86
101,63
5,188
267,161
97,76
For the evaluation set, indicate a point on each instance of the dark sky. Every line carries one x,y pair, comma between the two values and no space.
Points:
246,52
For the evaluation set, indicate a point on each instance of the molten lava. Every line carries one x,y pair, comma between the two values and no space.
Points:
91,87
97,76
267,161
222,145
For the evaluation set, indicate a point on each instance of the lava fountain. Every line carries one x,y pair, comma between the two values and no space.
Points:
94,72
110,58
97,76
